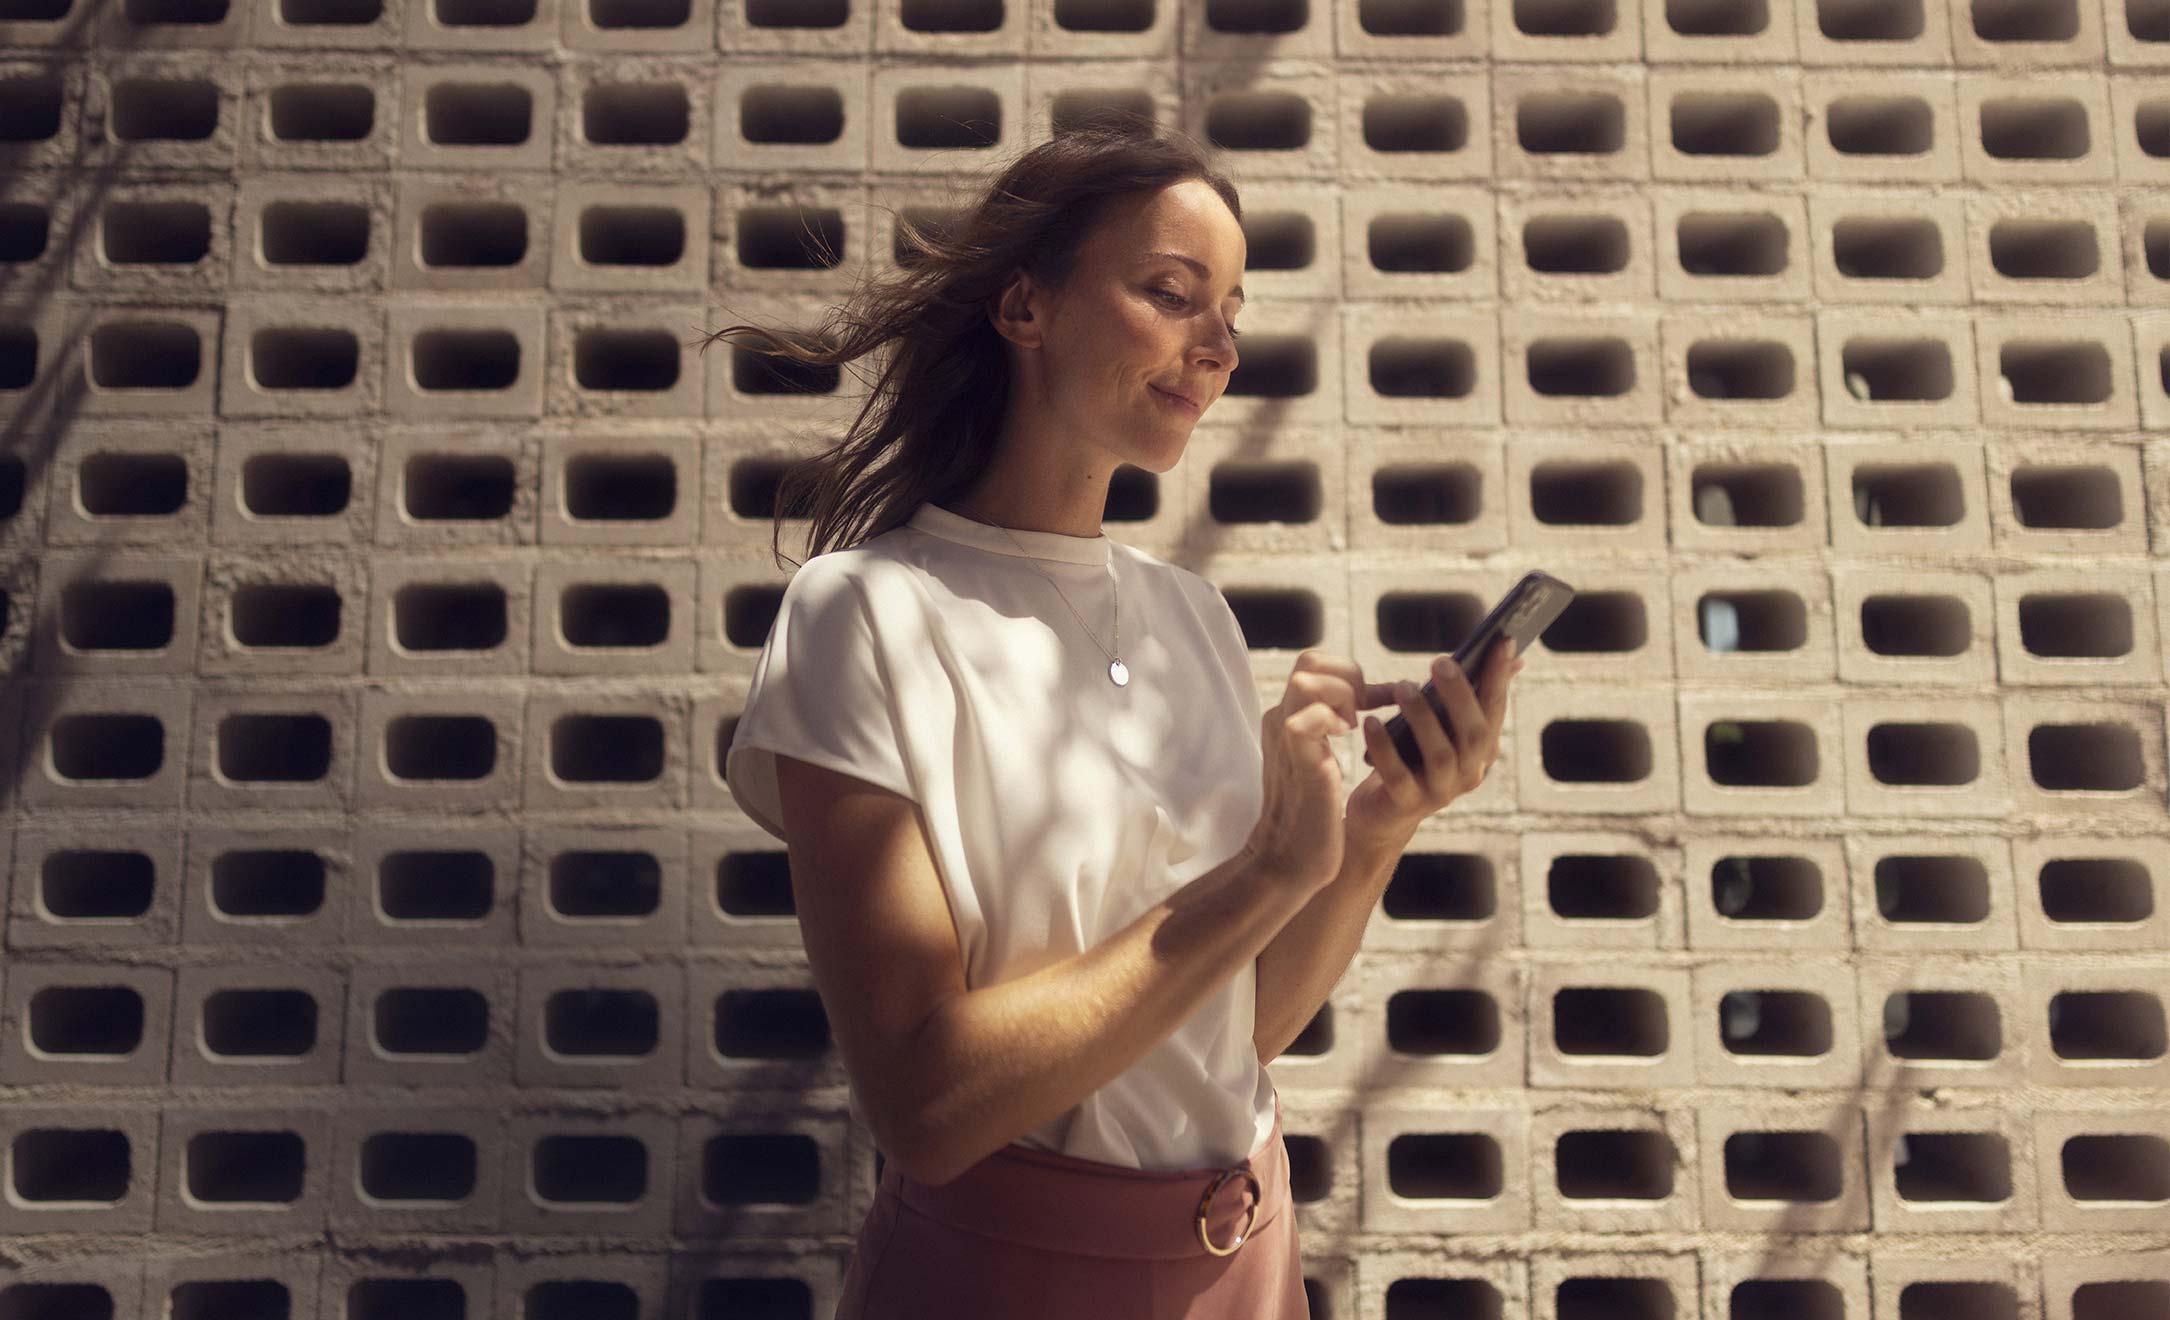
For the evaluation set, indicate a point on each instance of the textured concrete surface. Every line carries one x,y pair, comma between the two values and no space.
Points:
383,569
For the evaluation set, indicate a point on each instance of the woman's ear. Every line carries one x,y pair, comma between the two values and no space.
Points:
1012,312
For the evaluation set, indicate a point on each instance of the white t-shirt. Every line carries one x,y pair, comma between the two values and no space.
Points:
936,661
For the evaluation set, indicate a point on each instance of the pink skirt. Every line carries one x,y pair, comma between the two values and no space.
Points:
1029,1233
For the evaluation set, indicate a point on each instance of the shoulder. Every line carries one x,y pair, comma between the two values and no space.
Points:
871,563
1147,562
1195,588
1180,589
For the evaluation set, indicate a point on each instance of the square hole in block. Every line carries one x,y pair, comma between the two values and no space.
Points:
1909,370
791,115
1433,1023
1581,368
2044,249
420,1169
1870,20
1576,244
2034,128
1600,621
1949,1299
406,1299
430,1021
2109,1299
2063,496
598,1021
2096,890
1887,248
1782,1166
78,1021
1760,753
258,1023
1406,242
1775,1023
586,1169
1746,243
1748,495
1740,369
1717,18
1379,18
148,109
1942,1025
1427,493
2076,625
2101,757
2146,20
1446,1166
1880,126
1402,367
1590,1297
1615,1164
1916,625
251,1167
1590,123
1946,1167
1923,888
2053,371
2108,1024
1725,124
1441,886
1766,887
477,114
1923,754
69,1166
2025,20
1415,123
1617,887
2115,1166
1610,1021
1751,621
1784,1299
1586,494
1565,18
1596,751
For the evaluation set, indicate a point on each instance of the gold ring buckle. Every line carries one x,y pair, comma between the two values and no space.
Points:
1205,1203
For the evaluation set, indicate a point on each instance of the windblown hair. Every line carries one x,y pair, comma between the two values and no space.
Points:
929,424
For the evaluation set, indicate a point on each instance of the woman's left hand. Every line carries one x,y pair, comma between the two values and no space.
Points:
1387,807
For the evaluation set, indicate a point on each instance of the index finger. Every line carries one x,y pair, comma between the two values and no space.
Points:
1366,695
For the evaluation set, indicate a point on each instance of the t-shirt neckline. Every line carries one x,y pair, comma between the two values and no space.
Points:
935,520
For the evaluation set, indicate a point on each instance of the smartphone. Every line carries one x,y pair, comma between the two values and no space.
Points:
1528,608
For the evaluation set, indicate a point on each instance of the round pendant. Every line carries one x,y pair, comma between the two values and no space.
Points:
1119,673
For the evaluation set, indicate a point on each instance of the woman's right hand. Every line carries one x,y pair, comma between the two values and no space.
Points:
1298,837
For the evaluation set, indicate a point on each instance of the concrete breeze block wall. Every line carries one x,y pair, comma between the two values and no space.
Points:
381,572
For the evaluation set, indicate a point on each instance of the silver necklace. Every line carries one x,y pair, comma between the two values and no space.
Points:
1117,670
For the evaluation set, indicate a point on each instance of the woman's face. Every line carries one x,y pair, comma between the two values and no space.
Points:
1141,339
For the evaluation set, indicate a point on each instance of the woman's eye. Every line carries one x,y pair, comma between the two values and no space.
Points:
1233,333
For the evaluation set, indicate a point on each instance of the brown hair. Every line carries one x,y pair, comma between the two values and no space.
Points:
939,398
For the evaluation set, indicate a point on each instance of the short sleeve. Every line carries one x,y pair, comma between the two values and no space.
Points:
820,692
1233,650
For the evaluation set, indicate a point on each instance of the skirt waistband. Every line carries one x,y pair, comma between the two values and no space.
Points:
1059,1203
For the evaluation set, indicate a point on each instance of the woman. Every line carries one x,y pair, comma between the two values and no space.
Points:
1039,862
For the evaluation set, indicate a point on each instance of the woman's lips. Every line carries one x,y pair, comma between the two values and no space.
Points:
1176,401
